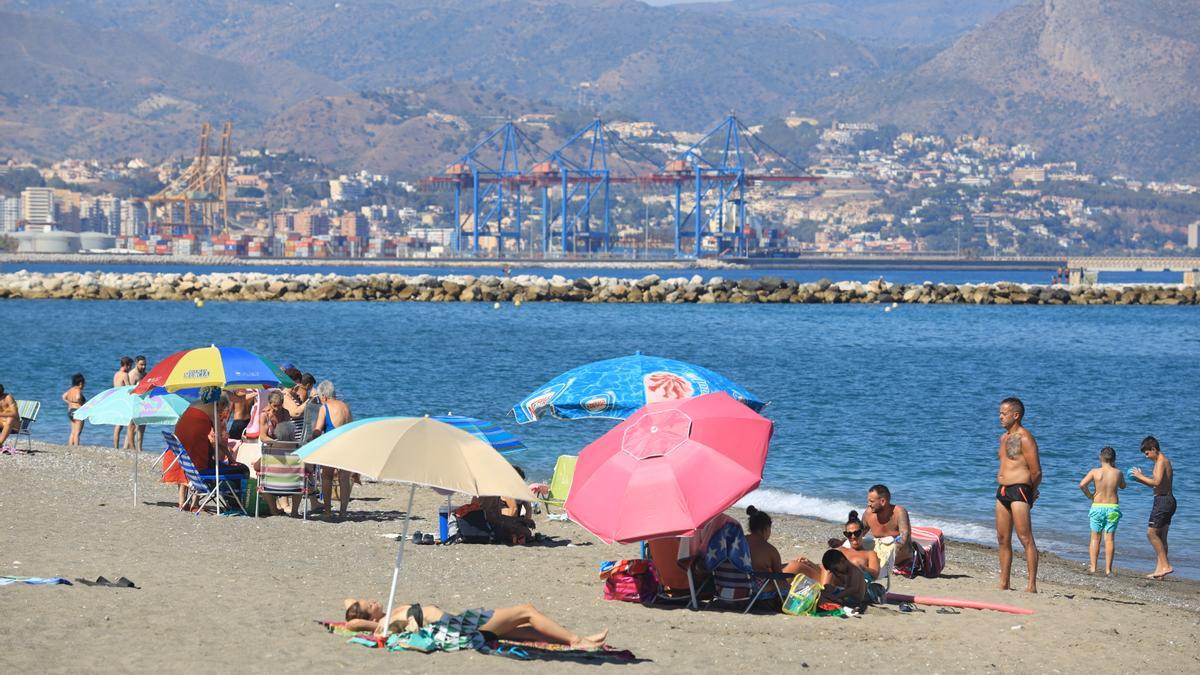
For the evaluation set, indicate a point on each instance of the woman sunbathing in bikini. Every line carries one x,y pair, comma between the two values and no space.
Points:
469,629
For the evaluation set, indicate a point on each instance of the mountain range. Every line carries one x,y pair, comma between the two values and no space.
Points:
406,85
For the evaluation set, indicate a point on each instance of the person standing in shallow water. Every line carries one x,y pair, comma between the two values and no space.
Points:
1018,478
1105,513
1163,510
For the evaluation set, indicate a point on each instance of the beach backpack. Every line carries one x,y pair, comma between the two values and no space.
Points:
931,547
929,554
629,580
802,597
473,527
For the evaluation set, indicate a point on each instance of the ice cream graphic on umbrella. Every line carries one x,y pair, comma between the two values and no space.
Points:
615,388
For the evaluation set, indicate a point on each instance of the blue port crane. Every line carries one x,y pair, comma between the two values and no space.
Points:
491,172
714,168
579,170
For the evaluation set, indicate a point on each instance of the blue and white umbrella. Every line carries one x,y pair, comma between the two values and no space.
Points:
616,388
489,432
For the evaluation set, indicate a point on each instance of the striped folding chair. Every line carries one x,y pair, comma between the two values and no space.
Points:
203,485
281,472
28,412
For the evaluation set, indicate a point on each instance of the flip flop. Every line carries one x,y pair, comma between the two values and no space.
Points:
102,581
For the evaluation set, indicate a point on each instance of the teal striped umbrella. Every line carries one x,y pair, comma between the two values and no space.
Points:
120,406
489,432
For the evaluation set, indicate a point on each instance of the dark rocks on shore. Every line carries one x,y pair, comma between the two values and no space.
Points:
249,286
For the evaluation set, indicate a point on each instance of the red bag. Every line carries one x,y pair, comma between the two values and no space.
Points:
629,580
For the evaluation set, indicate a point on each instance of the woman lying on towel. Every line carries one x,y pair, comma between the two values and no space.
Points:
467,630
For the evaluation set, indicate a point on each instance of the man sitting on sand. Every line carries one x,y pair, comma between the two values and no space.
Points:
1106,510
10,419
508,529
1164,503
889,525
468,630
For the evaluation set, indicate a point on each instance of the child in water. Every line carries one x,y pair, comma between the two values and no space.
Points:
1106,510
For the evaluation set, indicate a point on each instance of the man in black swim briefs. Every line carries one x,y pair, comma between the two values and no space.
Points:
1018,478
1022,492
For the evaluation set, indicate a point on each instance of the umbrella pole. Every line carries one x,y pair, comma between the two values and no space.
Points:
399,557
137,450
217,449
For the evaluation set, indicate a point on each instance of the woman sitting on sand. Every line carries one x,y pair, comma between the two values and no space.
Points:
865,560
469,629
763,554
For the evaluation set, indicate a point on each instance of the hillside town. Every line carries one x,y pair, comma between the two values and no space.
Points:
881,191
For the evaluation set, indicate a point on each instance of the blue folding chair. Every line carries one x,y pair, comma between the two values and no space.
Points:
203,485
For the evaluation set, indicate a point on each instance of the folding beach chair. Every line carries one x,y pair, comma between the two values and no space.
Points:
560,482
281,472
732,572
673,560
203,485
28,412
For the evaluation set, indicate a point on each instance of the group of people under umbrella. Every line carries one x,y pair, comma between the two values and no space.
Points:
689,445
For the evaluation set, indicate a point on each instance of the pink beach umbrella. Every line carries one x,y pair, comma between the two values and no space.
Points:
669,468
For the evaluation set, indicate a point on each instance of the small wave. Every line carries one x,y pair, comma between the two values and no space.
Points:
780,501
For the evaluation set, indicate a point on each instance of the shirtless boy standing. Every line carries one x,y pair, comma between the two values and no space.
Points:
1164,503
1106,510
1019,476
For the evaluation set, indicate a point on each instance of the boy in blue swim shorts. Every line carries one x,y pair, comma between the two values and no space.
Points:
1106,509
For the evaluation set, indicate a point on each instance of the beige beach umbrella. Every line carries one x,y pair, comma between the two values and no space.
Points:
420,451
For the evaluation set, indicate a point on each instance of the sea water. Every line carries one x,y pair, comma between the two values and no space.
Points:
908,398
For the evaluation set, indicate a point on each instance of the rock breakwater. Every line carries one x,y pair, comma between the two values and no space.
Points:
250,286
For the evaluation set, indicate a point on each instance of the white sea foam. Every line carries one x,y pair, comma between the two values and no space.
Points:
780,501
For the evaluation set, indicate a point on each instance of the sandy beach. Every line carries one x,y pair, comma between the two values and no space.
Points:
242,594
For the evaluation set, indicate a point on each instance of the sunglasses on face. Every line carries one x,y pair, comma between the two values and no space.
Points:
852,535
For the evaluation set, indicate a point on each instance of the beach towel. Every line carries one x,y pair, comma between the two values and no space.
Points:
34,581
548,651
535,651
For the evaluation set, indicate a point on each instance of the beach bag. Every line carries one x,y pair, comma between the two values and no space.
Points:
473,528
931,548
929,554
629,580
802,597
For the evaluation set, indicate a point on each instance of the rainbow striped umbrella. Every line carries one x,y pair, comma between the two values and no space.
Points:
191,370
488,432
213,366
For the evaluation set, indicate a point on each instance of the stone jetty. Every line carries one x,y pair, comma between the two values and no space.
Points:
248,286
